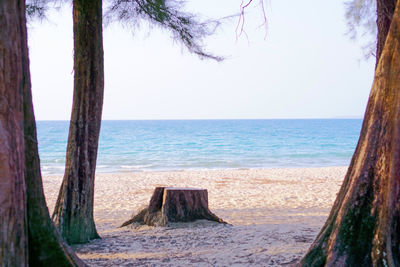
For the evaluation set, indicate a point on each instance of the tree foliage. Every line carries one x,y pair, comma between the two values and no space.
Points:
169,15
185,27
361,23
36,9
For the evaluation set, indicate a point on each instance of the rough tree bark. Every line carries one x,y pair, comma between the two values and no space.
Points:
363,228
73,212
169,204
13,214
384,10
46,247
28,236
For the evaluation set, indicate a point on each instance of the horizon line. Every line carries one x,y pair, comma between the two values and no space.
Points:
219,119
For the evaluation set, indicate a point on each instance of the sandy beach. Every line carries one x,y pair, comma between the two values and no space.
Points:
273,215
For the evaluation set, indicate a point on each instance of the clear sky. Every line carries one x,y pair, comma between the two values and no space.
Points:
305,68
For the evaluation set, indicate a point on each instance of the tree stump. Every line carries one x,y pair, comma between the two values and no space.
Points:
171,204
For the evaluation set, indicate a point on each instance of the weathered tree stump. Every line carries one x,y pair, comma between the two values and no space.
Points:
170,204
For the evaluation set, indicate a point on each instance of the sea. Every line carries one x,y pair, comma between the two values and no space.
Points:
179,145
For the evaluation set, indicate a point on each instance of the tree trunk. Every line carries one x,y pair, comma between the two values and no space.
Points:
13,215
169,204
46,247
384,10
73,212
363,228
28,236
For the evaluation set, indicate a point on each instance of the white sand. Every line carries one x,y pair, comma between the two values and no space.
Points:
274,214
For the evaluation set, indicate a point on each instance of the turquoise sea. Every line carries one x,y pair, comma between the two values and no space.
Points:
134,146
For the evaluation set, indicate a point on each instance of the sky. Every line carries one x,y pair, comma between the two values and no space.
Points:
302,66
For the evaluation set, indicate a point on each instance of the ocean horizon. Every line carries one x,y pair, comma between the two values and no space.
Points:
165,145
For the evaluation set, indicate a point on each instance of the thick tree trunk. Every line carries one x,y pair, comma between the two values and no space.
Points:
46,247
13,215
73,212
28,236
384,10
169,204
363,228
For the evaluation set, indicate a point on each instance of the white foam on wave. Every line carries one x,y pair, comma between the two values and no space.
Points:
135,166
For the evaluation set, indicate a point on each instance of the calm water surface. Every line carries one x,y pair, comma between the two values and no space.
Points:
127,146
